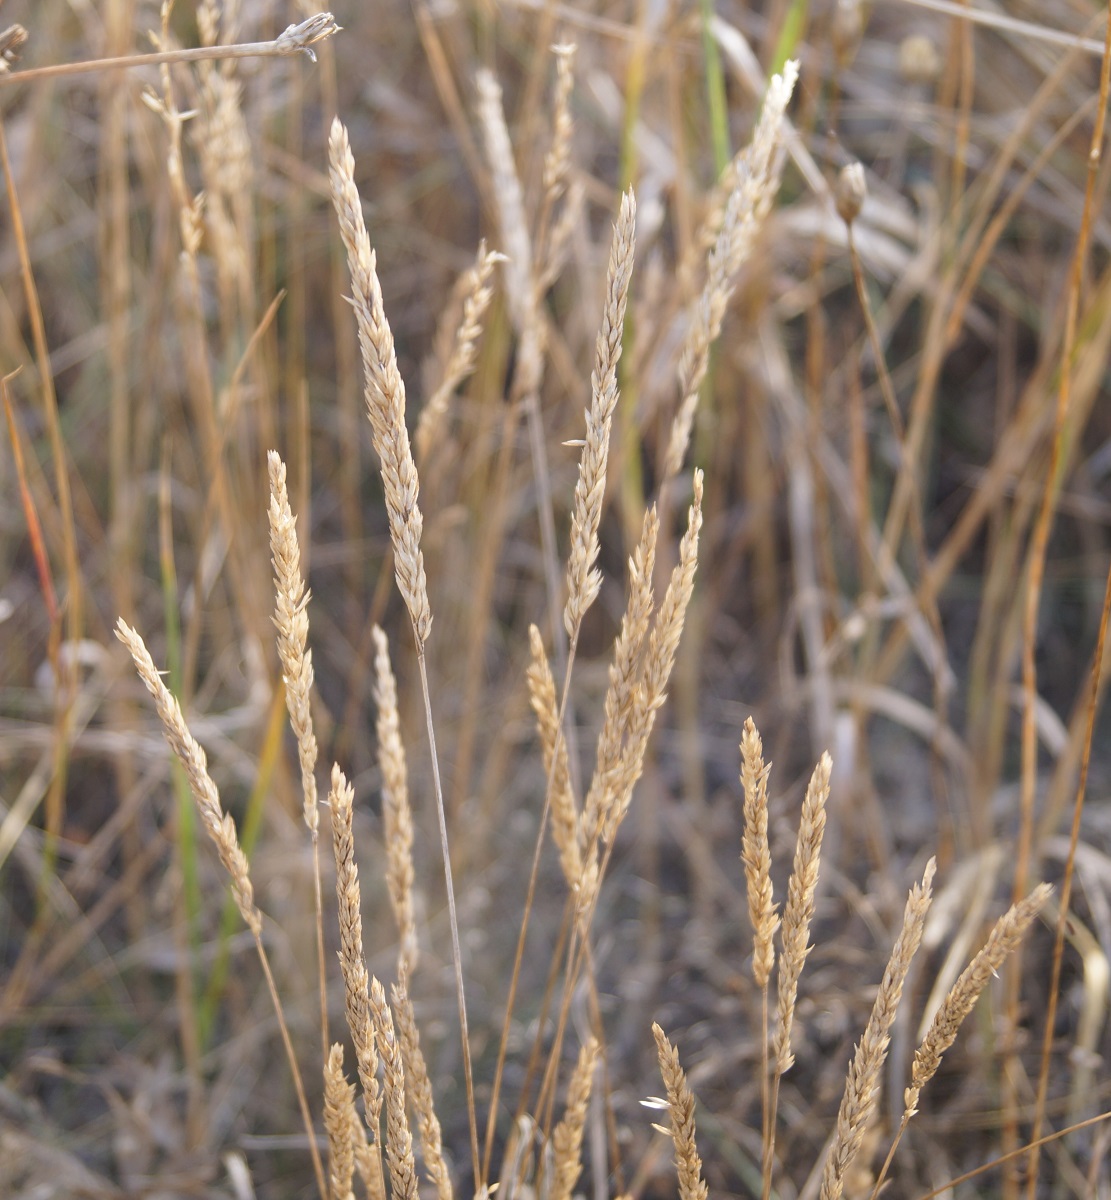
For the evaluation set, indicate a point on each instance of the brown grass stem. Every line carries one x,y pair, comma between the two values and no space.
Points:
1036,573
295,39
457,953
1066,894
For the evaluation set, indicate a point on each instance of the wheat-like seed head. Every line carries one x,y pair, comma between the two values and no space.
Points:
420,1089
1005,936
356,980
583,579
755,180
545,705
459,359
862,1086
567,1138
510,202
220,826
397,816
341,1124
659,658
399,1139
292,623
756,853
680,1104
385,390
799,909
623,674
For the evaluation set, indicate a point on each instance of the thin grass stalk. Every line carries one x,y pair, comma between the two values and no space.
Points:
397,817
862,1087
1035,576
292,623
295,39
64,668
950,1185
1066,889
221,828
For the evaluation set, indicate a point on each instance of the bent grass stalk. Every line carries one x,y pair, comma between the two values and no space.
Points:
221,828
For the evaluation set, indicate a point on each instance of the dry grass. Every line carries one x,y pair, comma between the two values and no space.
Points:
843,467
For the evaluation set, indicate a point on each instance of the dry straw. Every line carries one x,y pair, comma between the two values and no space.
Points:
385,390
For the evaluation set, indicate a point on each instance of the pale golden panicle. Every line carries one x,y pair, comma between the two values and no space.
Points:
757,175
510,202
557,161
420,1089
292,623
794,935
459,359
356,981
385,391
1006,934
862,1085
397,816
341,1123
659,658
624,672
680,1104
756,853
567,1138
545,705
583,578
552,236
399,1139
220,826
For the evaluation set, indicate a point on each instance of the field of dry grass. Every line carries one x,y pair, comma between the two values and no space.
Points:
387,805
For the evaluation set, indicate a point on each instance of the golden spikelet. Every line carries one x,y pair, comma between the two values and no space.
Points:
680,1105
862,1086
397,817
385,390
756,853
219,825
799,909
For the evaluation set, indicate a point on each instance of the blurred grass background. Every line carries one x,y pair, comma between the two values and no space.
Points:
862,586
